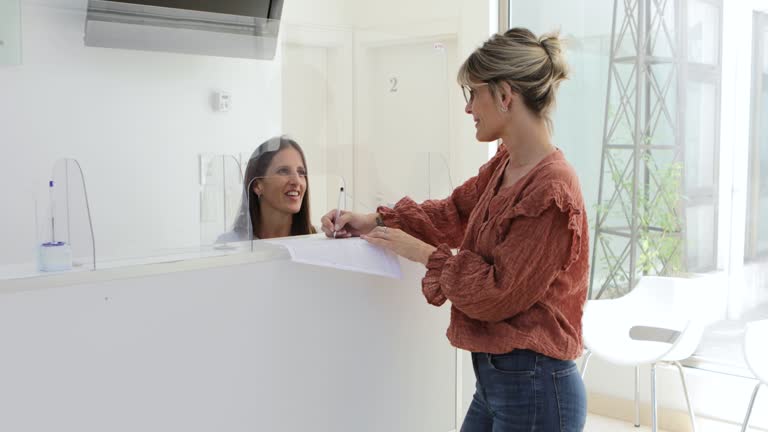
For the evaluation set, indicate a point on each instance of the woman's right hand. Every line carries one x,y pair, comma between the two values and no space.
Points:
349,224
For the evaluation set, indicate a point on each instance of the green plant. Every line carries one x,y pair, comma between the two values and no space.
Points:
660,224
656,219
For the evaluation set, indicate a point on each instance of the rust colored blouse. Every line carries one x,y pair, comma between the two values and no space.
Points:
519,280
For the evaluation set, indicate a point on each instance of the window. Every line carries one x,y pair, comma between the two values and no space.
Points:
678,118
756,241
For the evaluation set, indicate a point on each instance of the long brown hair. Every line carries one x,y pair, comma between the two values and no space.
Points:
249,219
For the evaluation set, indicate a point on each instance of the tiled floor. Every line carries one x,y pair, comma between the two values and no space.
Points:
604,424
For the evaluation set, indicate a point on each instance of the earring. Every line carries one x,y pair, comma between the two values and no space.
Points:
504,109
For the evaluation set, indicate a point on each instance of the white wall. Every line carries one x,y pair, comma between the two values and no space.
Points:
403,12
463,25
135,120
477,21
318,105
325,13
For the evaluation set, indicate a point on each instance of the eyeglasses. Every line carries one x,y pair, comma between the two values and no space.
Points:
469,91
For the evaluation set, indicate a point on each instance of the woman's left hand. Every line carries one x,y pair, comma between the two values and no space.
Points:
405,245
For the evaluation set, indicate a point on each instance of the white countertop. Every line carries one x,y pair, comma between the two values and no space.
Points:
26,276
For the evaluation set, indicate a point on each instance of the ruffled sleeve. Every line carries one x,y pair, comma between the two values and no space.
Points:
430,285
564,198
536,239
442,221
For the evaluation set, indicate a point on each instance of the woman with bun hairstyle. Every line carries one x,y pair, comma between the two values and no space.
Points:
518,283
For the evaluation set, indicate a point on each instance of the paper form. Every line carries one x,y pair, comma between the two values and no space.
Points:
352,254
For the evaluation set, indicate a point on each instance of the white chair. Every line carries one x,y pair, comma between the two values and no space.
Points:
756,355
661,321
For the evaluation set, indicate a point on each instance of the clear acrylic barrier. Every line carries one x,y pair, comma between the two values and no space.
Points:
390,176
224,231
278,195
63,215
285,194
221,185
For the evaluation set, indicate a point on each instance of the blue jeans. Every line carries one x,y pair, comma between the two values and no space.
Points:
526,391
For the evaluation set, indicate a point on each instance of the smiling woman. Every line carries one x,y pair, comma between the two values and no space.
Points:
275,194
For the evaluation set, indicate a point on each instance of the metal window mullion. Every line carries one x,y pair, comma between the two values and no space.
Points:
718,87
638,133
606,112
504,18
754,151
682,90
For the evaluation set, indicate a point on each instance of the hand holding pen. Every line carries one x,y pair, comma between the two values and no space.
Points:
347,224
338,211
343,224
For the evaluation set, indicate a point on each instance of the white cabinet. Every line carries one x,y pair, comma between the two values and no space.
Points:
269,345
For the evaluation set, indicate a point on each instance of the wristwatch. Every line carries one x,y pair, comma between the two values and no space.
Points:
379,220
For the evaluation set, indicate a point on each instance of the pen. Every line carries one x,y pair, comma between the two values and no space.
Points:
338,210
52,208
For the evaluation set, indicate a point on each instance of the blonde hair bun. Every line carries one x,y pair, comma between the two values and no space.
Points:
533,66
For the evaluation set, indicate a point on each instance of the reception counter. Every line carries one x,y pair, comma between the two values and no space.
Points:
246,342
